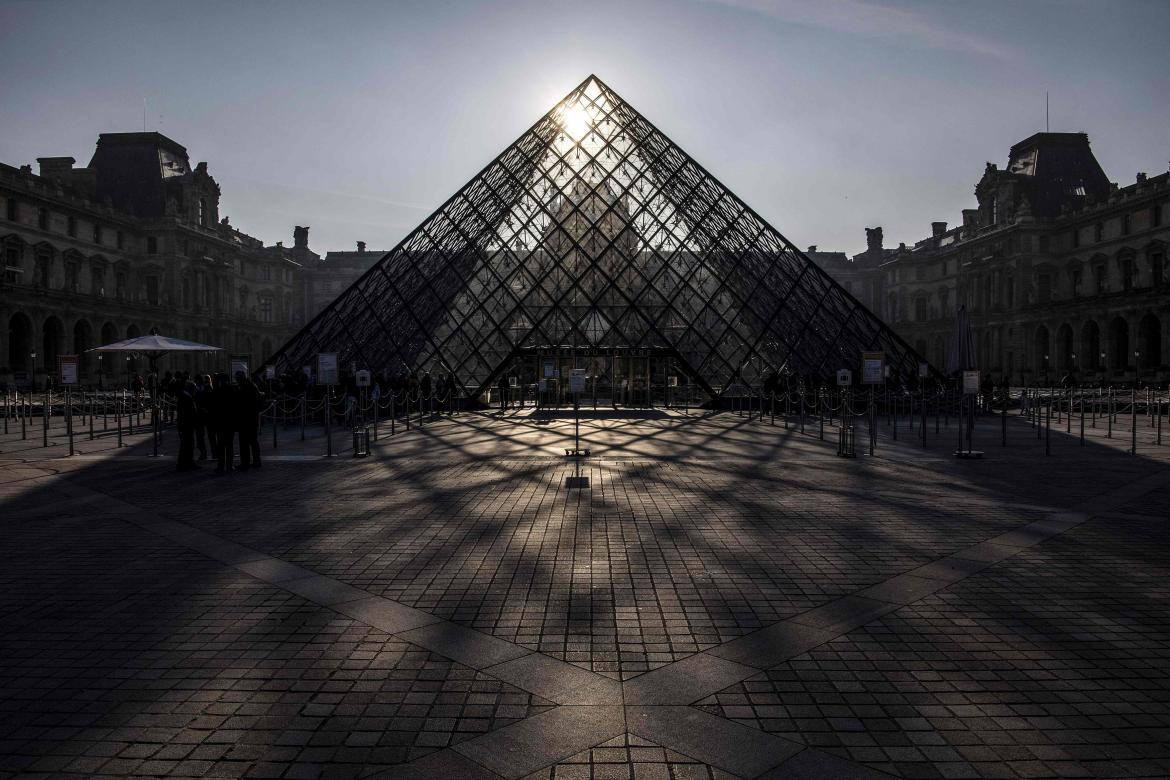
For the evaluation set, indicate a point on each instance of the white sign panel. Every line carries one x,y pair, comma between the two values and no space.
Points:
270,372
548,369
239,366
362,378
844,377
970,382
873,368
68,369
327,368
577,381
923,370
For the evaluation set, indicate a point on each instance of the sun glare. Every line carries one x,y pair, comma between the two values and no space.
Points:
576,122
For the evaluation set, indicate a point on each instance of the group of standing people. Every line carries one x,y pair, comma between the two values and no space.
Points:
211,413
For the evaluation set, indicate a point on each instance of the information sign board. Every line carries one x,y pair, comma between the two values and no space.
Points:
970,382
362,378
673,381
327,368
873,368
67,369
548,369
514,381
239,365
844,377
923,370
270,372
577,381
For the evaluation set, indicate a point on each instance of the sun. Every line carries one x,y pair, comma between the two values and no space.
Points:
576,122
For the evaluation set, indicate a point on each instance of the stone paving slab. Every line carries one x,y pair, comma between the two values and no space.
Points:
425,616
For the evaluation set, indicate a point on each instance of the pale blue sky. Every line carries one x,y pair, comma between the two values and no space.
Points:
358,118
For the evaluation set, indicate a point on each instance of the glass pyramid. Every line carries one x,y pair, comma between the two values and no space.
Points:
595,239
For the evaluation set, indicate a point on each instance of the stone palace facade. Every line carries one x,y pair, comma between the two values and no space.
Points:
132,243
1061,271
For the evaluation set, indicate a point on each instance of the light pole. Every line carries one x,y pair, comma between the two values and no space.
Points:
33,369
1104,368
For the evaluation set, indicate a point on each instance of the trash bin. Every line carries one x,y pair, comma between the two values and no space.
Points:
846,442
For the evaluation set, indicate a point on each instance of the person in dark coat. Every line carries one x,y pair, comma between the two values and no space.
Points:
223,421
247,415
203,405
186,413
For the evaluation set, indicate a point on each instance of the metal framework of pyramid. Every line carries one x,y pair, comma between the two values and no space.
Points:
595,235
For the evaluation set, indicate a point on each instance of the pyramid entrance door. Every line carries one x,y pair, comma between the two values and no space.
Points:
617,377
594,230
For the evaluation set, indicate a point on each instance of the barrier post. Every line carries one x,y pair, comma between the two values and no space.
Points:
328,423
1082,418
154,422
1048,428
273,407
20,408
304,411
68,420
1133,420
821,410
45,417
118,417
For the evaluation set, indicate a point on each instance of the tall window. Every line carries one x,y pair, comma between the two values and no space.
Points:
1044,287
920,310
43,218
203,212
1127,273
1099,278
13,265
1076,238
265,309
1099,232
151,245
10,211
97,233
1156,215
995,209
1076,282
73,276
1157,269
121,240
152,290
98,276
1126,224
71,226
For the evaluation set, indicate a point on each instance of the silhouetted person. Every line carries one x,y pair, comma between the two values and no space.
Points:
247,416
203,404
185,422
223,421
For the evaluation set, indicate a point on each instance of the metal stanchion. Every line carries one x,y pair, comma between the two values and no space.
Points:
45,418
1003,422
1082,418
118,416
1133,419
69,420
328,425
273,407
1048,428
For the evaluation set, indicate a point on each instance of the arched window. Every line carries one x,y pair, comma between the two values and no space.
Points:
1150,342
1119,341
1091,346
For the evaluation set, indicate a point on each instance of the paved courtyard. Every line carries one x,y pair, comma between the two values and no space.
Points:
725,598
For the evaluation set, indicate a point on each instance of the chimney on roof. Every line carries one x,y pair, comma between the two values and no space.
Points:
938,228
812,248
280,245
55,166
1141,177
361,247
873,241
301,237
